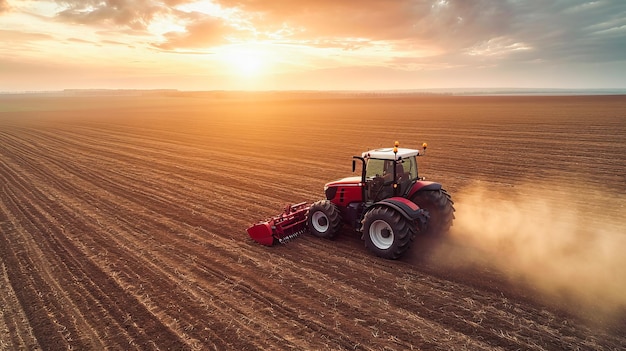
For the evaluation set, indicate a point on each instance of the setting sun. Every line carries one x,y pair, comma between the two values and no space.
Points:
245,60
247,65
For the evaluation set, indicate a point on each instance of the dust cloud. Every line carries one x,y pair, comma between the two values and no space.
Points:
565,242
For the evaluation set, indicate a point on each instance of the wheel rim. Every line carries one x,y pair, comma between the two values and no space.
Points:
320,222
381,234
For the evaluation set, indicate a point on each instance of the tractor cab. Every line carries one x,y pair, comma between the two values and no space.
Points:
389,172
386,177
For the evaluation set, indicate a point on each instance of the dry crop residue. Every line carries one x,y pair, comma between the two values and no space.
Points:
123,222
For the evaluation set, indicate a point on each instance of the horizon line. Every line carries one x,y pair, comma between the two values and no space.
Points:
426,91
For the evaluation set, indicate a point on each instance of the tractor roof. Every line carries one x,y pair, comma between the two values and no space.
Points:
387,153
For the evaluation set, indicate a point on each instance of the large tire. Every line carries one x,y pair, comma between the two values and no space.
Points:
440,209
387,233
324,219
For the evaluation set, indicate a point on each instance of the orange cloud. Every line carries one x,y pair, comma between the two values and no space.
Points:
210,31
15,36
132,13
4,6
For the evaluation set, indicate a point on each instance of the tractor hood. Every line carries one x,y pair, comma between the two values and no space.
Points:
356,181
344,191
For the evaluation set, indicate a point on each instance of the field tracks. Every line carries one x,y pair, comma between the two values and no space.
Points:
125,229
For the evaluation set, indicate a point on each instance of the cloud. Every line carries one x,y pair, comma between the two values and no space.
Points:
422,21
4,6
497,47
15,36
79,41
572,31
531,30
18,45
113,42
559,30
210,31
132,13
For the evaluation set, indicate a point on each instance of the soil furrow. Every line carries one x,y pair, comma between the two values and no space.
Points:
125,222
79,275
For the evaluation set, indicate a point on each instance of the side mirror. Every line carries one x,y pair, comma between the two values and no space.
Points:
363,169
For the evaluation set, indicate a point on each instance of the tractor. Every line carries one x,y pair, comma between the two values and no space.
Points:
389,204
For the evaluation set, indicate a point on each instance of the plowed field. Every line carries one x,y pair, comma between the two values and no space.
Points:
123,223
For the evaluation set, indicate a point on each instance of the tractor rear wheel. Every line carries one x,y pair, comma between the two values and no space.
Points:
324,219
387,233
440,209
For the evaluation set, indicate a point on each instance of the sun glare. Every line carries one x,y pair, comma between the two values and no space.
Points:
247,65
246,61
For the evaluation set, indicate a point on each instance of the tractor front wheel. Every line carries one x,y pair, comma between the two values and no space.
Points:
387,233
324,219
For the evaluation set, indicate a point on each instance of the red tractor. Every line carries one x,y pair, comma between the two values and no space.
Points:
389,204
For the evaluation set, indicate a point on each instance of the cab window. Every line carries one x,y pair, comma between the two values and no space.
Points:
410,167
375,168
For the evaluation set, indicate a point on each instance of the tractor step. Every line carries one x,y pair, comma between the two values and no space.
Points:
282,227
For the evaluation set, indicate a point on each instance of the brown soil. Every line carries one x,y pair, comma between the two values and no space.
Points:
123,221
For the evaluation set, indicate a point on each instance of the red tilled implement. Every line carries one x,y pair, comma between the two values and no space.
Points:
283,227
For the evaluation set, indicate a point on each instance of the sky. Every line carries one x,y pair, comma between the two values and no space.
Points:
312,44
